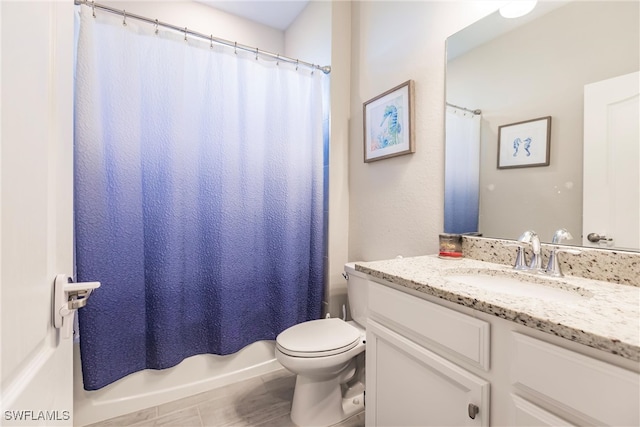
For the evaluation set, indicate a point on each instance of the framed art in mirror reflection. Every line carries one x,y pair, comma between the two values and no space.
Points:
524,144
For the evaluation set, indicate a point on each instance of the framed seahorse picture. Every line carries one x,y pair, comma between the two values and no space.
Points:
524,144
388,123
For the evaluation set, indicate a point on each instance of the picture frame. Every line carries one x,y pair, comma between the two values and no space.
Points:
389,123
524,144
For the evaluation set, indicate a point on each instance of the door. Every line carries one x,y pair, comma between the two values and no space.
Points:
408,385
36,186
611,193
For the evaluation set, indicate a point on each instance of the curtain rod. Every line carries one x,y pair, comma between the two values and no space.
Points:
476,112
125,15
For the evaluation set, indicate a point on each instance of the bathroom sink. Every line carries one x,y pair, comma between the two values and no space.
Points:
518,284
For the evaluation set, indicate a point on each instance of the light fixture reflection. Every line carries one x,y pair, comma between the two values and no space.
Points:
517,8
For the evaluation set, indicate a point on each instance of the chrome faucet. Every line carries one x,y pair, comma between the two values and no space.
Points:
531,237
553,266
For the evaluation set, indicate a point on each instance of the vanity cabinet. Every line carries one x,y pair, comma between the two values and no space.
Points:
430,362
410,385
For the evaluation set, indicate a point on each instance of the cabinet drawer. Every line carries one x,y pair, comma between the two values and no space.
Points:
527,414
584,387
455,333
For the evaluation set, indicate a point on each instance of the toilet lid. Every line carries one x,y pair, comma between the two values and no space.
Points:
315,338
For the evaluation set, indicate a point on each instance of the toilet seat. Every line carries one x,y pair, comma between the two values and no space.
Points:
318,338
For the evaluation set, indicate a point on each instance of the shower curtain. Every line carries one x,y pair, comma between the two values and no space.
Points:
198,197
462,171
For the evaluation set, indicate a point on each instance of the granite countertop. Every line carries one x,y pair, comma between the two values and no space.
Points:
598,314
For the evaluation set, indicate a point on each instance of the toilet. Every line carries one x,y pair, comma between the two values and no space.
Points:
327,355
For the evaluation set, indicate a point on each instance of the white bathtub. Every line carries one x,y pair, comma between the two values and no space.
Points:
150,387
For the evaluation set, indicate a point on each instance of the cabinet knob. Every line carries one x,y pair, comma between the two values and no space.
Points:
473,411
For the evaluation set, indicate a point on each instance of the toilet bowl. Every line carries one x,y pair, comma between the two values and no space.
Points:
327,357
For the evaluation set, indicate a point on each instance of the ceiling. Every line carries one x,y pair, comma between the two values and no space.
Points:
493,26
275,14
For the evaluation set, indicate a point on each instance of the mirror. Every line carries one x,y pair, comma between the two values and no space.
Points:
534,67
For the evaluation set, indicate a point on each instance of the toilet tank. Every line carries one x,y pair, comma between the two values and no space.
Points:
357,294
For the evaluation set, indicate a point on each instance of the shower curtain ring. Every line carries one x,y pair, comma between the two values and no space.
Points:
297,64
185,33
313,68
157,27
211,45
124,17
278,59
235,47
256,54
93,8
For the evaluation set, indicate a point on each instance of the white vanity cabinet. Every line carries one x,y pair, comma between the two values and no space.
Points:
430,363
410,385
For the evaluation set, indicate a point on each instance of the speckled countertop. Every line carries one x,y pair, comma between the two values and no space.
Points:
598,314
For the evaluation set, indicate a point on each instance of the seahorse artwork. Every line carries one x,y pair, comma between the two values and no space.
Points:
527,145
390,134
516,146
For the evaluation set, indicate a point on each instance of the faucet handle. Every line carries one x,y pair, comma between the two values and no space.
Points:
528,236
560,235
553,266
521,262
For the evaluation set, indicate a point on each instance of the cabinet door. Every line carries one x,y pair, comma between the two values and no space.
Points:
408,385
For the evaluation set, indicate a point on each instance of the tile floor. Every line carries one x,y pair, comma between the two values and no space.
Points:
263,401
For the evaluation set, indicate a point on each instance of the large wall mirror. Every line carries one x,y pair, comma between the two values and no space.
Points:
559,62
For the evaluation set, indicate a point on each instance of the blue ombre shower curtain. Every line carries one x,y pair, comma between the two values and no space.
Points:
462,172
198,197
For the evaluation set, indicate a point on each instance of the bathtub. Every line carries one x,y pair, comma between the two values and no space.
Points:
153,387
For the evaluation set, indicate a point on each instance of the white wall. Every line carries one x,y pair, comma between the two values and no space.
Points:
396,205
339,196
540,70
308,38
206,20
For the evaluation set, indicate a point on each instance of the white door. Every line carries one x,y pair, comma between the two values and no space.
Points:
611,193
36,184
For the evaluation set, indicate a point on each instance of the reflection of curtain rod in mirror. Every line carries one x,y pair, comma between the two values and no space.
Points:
476,112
